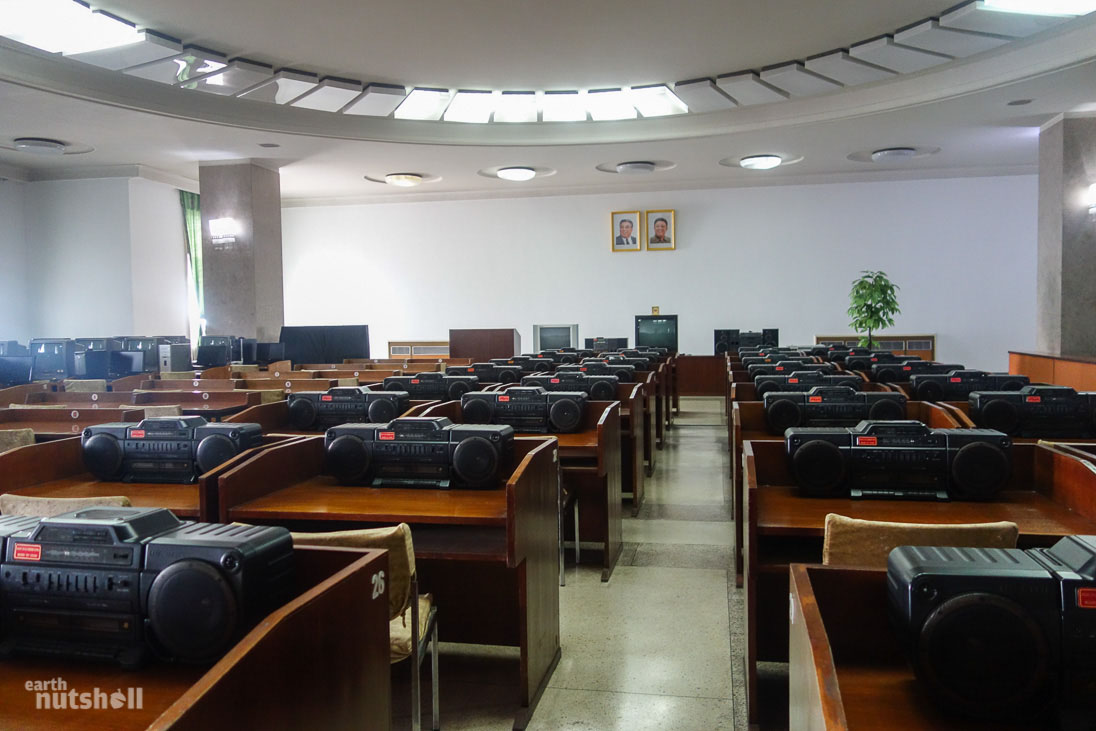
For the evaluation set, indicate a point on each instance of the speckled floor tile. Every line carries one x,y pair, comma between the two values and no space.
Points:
667,511
692,532
585,710
683,556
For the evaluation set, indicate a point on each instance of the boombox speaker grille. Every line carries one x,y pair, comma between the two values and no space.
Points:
103,456
819,468
476,461
476,411
564,415
214,451
457,389
979,470
302,413
382,411
192,611
884,410
1001,415
782,414
929,391
602,391
347,458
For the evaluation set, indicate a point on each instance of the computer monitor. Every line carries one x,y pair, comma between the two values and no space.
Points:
554,337
12,347
15,370
126,363
149,347
659,331
54,358
212,356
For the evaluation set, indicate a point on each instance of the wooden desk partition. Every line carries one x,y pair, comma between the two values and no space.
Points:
590,460
650,395
490,557
1076,371
1050,494
211,404
319,661
62,423
274,417
481,345
128,383
632,446
847,668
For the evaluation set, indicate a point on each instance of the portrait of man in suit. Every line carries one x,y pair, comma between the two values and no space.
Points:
626,238
660,230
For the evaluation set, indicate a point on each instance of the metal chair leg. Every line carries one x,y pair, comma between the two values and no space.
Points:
416,681
578,541
434,675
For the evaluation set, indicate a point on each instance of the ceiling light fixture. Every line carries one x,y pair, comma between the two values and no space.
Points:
517,106
563,106
427,104
761,162
403,180
518,174
657,100
473,107
1041,7
64,26
39,145
635,167
894,154
609,104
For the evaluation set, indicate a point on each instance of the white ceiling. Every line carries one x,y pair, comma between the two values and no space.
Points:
960,107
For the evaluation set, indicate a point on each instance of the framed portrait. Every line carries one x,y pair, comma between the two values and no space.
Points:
626,234
661,235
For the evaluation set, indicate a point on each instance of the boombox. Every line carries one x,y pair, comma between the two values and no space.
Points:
898,459
838,354
526,408
1001,634
801,380
784,367
903,370
772,358
432,385
1036,411
754,339
119,584
957,385
830,406
860,362
419,452
163,448
485,372
538,363
598,388
640,364
343,405
624,373
560,356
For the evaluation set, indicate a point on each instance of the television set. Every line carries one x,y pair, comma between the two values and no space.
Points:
150,347
212,356
249,351
325,343
15,370
606,345
554,337
54,358
657,331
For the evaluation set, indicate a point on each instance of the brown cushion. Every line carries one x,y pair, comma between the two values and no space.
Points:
93,385
45,507
867,543
14,438
401,556
399,629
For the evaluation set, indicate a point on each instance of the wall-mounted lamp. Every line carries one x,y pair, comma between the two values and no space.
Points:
223,230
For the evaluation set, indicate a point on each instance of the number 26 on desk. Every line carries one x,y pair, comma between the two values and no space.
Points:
378,584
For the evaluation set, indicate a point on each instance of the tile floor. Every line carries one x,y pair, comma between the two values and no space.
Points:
659,647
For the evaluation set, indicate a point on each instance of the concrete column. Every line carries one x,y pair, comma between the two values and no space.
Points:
1066,323
242,270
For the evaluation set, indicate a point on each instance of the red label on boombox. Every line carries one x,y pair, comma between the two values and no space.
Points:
907,368
1086,598
387,436
582,369
955,380
815,399
874,360
471,370
27,552
779,368
325,397
504,398
137,434
414,380
793,380
867,441
1033,399
553,380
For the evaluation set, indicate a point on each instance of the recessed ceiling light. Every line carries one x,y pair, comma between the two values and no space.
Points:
39,145
403,180
563,106
893,154
1019,102
518,174
635,167
761,162
1041,7
269,144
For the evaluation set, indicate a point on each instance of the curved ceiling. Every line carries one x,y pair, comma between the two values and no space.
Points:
516,44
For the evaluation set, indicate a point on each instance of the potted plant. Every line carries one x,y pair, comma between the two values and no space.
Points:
872,304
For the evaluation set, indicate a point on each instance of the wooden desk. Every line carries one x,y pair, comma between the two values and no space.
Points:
320,661
56,469
590,461
1049,495
213,405
747,422
846,667
61,423
194,384
490,557
128,383
662,400
674,387
274,417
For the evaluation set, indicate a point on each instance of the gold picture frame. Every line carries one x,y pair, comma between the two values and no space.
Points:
627,238
664,240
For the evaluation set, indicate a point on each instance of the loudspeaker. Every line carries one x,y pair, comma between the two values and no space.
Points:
771,335
725,341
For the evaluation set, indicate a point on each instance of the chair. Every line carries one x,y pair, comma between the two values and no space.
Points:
403,593
868,543
13,438
47,507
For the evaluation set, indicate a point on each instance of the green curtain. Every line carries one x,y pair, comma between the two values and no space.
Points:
192,220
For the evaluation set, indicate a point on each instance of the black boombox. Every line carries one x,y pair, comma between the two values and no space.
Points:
902,370
785,367
486,373
800,380
119,584
624,373
419,452
640,364
526,408
1001,634
560,356
345,404
651,355
521,361
838,354
432,385
862,362
538,363
1036,411
598,388
957,385
830,406
164,448
773,358
744,352
899,459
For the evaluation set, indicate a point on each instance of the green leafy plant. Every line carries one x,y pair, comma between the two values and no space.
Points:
872,304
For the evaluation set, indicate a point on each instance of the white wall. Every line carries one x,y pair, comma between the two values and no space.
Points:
962,251
157,259
13,263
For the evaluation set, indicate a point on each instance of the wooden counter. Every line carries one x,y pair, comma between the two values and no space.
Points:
1076,371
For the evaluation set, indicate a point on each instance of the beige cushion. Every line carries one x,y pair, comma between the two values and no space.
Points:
401,556
45,507
158,409
246,368
40,406
13,438
177,375
94,385
399,629
867,543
